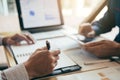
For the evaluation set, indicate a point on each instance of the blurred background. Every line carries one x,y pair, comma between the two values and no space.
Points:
74,11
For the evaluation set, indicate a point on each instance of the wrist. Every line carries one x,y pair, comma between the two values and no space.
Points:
4,41
28,69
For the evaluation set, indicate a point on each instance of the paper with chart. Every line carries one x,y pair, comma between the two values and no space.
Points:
22,53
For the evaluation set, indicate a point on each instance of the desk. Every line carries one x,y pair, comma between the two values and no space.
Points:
10,59
101,74
59,77
69,76
82,71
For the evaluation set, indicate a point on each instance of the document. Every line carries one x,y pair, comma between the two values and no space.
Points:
87,60
71,53
65,64
69,46
23,52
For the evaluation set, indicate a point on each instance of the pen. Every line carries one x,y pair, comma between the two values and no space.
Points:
48,45
96,62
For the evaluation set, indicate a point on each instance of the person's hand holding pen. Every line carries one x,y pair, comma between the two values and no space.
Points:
42,62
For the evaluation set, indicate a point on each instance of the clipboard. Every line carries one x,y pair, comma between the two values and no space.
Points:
62,70
22,53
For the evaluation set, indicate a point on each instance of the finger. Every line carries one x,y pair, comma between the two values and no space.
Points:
30,38
40,53
23,37
56,58
11,42
43,48
54,64
92,44
16,43
40,50
84,34
91,34
94,49
55,53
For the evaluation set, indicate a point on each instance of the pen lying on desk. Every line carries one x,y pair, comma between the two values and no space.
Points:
96,62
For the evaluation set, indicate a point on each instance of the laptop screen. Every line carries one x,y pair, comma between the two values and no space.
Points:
34,14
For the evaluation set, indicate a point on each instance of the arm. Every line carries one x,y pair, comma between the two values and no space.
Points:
28,70
107,22
15,73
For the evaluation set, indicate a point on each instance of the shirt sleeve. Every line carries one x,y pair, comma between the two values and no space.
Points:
15,73
0,75
0,41
107,22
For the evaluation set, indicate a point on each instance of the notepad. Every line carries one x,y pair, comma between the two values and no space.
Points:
24,51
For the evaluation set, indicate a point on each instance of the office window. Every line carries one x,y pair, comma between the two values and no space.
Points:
7,7
80,8
77,10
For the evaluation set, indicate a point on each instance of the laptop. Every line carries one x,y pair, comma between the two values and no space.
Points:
39,15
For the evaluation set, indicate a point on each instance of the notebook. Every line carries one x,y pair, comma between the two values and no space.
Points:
39,15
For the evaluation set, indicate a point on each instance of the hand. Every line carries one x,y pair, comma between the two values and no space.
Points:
103,49
86,30
16,39
42,62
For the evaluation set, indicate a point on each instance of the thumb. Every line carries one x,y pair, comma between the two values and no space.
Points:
91,34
